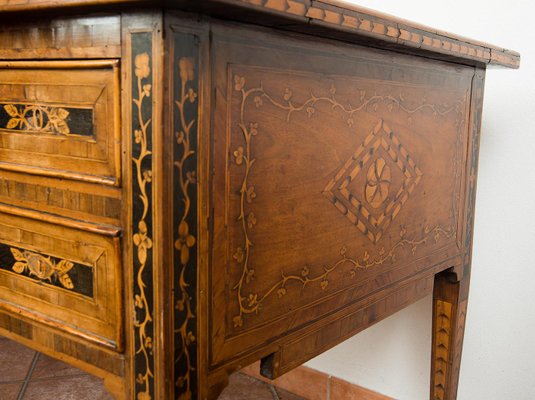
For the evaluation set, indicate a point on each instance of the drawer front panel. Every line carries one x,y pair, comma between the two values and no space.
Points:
76,200
61,119
66,37
69,277
336,175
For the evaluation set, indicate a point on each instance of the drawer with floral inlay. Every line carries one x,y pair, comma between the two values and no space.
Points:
63,277
61,119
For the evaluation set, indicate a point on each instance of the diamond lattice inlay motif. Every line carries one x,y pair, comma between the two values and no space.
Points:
372,186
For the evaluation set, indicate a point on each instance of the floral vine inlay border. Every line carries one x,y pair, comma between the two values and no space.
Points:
185,241
250,303
143,322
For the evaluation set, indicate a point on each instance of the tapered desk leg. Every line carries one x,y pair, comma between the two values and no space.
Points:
450,298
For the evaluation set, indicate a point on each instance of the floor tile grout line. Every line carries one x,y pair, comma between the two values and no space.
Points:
274,392
28,376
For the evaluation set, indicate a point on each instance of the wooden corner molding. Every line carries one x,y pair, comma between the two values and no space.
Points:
335,15
345,18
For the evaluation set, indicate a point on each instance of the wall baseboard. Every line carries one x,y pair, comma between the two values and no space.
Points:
315,385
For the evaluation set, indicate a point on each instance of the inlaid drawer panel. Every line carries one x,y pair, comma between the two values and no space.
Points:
64,277
61,119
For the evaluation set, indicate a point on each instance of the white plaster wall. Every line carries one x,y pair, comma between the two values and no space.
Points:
393,357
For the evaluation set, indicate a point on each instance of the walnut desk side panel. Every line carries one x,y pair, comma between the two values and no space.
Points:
341,186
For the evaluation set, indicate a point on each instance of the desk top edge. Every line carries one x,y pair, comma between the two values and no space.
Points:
337,19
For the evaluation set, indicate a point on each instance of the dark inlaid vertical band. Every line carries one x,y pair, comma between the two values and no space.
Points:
142,256
185,119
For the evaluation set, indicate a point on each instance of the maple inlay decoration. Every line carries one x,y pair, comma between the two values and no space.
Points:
47,120
374,213
48,270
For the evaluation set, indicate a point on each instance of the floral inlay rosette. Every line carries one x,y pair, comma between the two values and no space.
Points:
44,268
378,181
38,118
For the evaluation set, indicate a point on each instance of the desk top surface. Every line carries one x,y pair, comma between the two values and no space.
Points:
337,19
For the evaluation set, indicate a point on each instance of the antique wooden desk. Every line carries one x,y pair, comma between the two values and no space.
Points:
187,187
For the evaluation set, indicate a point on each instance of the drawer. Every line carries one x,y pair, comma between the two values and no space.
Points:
60,37
64,277
61,119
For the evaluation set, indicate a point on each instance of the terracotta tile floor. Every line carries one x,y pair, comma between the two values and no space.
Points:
28,375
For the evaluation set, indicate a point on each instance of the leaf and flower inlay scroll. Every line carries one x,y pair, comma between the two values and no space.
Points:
376,189
142,214
42,267
47,269
44,119
185,220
